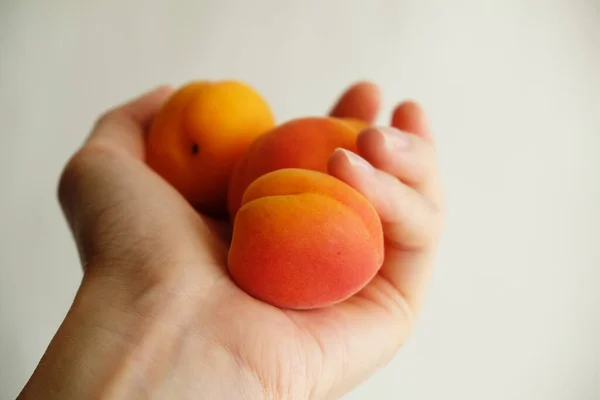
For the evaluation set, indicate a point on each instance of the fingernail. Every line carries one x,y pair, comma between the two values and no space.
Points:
356,161
394,139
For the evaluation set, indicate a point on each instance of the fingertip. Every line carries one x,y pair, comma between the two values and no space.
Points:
408,107
360,101
409,116
349,159
367,87
157,92
380,143
351,169
144,107
363,88
123,127
369,139
164,90
338,161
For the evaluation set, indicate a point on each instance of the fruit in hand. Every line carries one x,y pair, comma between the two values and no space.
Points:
303,143
303,239
199,134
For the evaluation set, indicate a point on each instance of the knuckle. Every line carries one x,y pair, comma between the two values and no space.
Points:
70,175
78,170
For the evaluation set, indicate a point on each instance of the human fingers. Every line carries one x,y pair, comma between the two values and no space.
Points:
410,117
122,128
117,133
407,217
397,172
384,312
409,157
107,191
359,101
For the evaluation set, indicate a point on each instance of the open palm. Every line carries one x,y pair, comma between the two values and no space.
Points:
135,232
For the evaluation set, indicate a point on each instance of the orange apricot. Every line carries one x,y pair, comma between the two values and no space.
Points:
303,143
356,124
303,239
199,134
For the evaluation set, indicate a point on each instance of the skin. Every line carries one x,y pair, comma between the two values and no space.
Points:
157,315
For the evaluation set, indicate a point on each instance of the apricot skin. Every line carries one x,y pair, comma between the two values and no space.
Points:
355,124
305,143
199,134
304,239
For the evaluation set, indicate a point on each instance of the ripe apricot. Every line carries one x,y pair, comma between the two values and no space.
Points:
356,124
200,133
303,239
303,143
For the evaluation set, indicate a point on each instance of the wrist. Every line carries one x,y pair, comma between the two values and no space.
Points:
110,348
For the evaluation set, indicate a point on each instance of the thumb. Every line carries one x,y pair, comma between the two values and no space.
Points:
118,209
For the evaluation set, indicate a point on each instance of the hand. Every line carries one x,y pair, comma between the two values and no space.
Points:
157,315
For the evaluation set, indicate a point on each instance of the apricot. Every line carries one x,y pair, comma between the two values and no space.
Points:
303,239
199,134
303,143
355,124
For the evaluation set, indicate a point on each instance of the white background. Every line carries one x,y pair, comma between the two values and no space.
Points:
512,87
